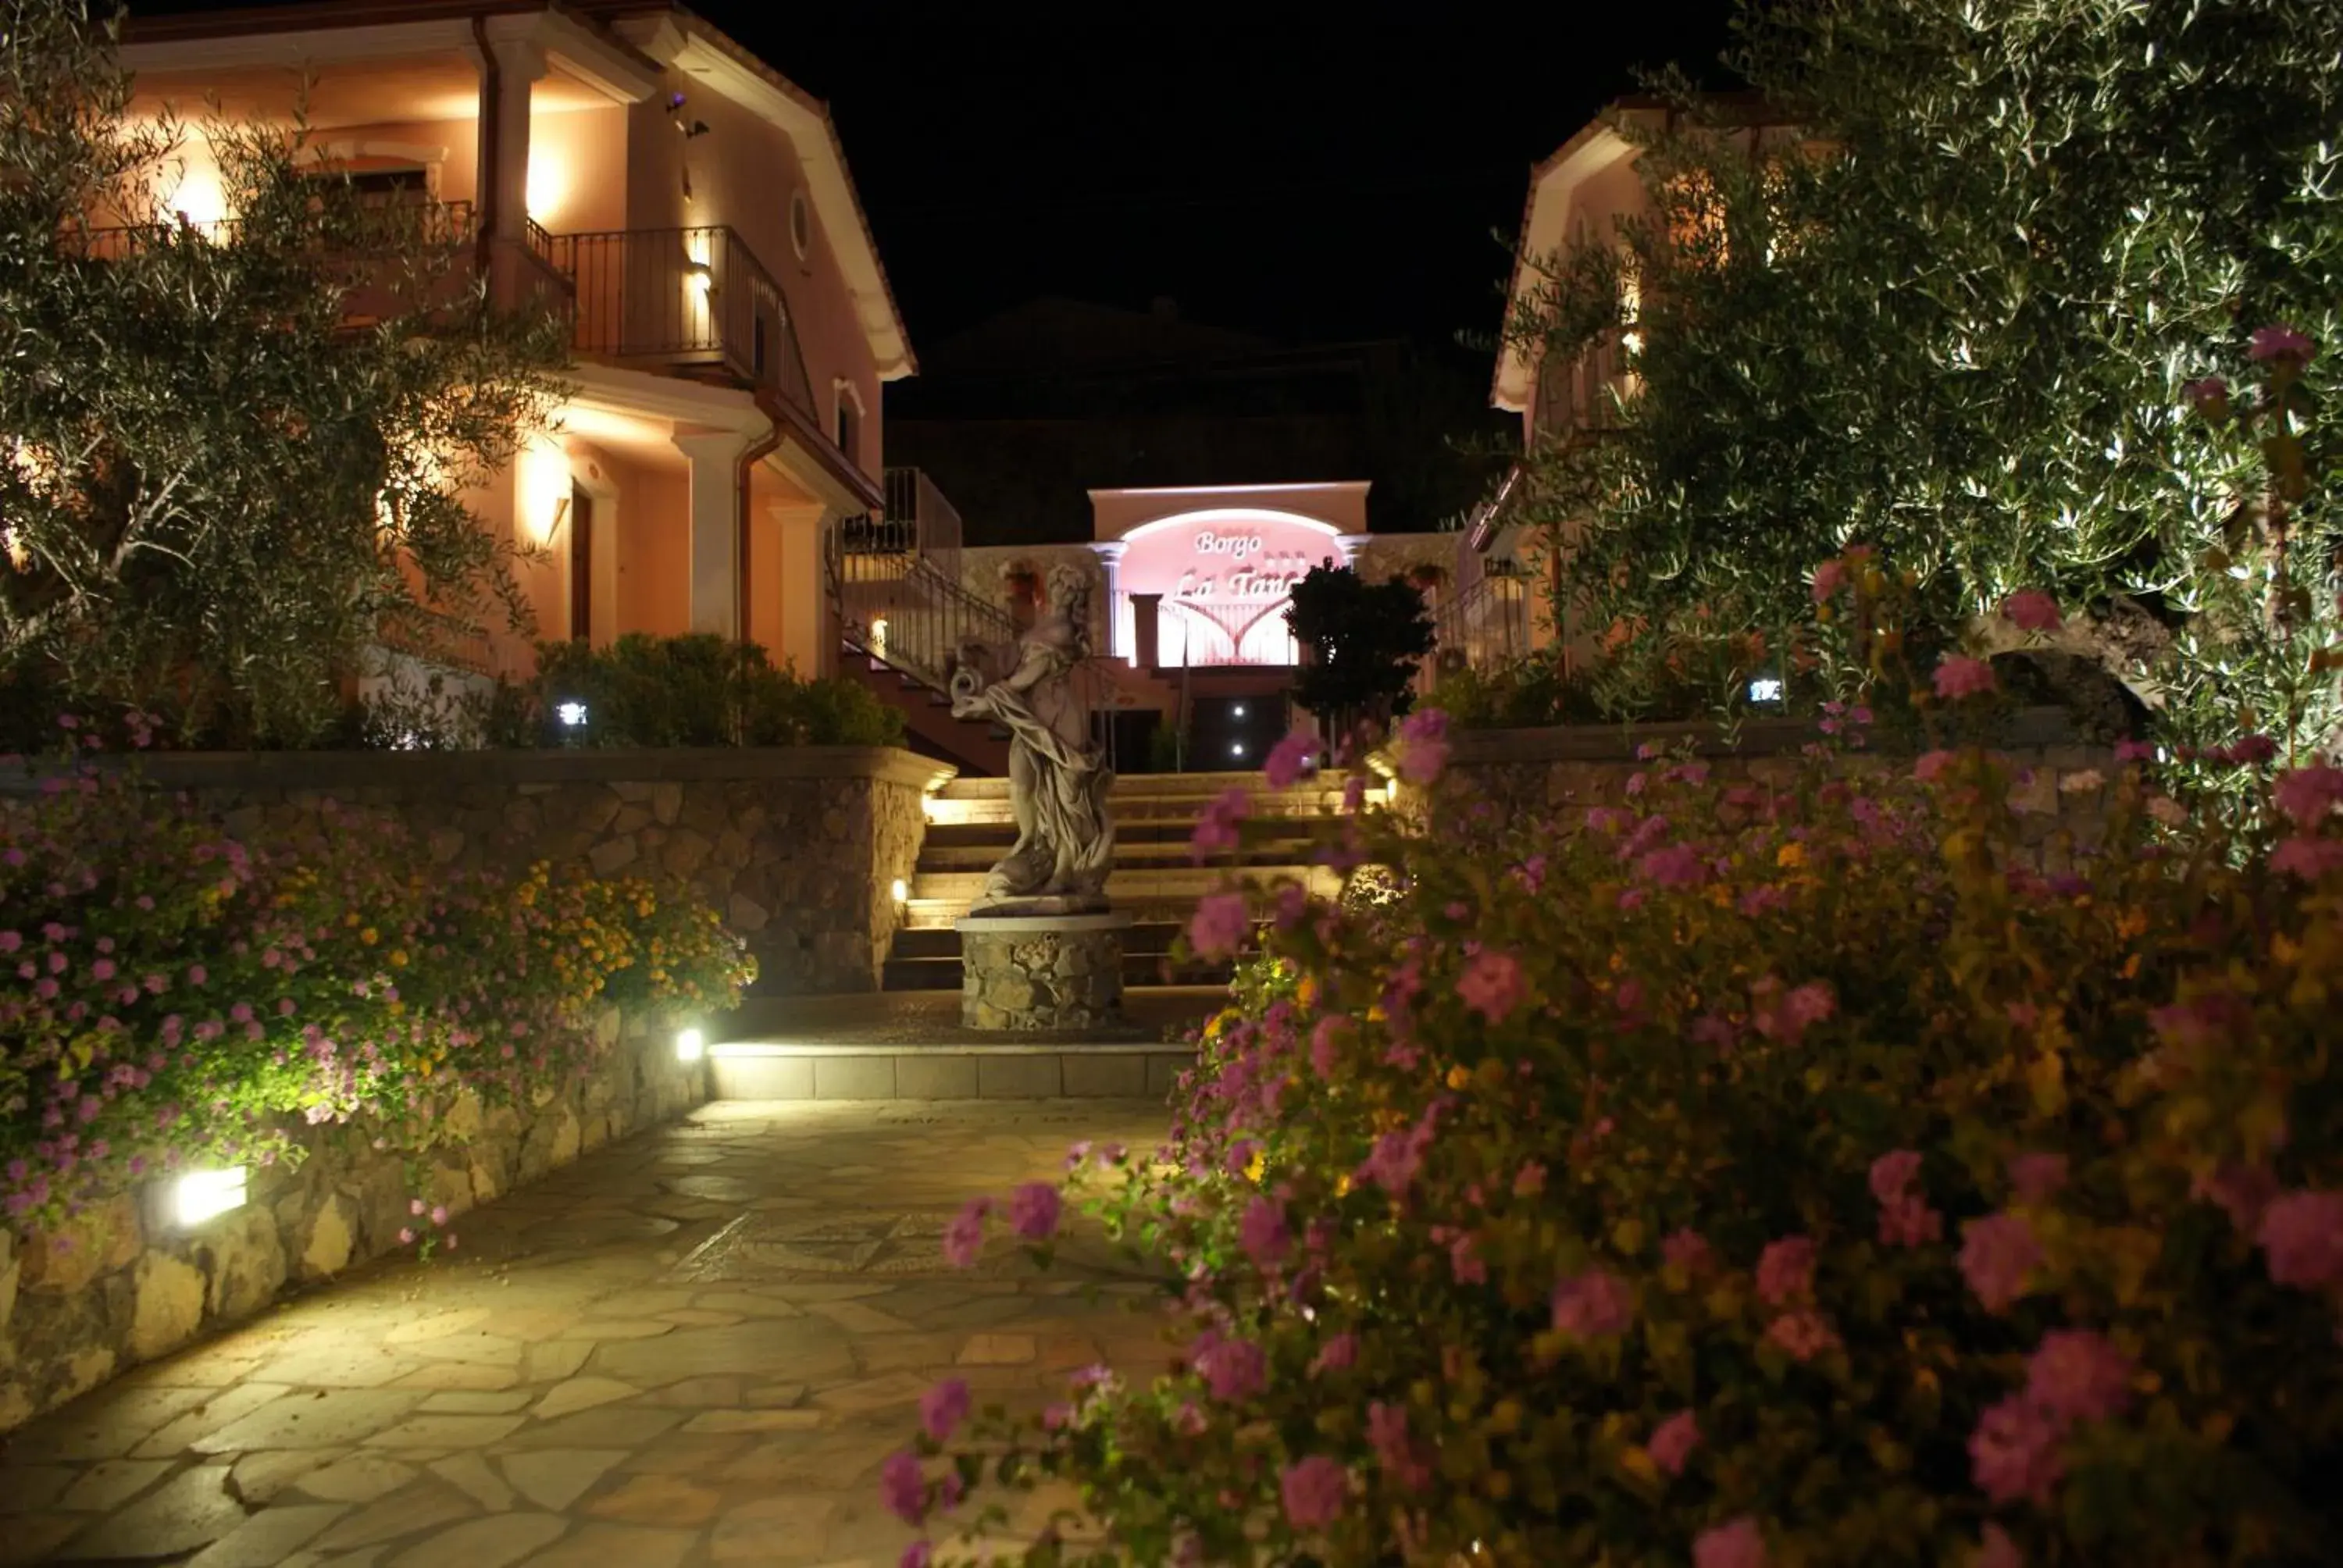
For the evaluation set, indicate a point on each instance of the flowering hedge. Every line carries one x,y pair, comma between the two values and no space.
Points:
172,993
1801,1173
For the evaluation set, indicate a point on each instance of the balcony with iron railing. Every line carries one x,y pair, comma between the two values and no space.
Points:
695,299
1579,396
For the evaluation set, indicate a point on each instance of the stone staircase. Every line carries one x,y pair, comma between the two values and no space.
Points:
970,828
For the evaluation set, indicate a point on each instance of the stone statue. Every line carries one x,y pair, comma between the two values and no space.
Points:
1058,779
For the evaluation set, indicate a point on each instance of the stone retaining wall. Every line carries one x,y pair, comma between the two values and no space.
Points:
120,1284
798,848
1541,771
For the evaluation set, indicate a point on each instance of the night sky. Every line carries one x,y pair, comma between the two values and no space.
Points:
1304,170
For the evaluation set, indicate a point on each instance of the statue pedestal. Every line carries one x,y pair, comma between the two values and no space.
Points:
1041,971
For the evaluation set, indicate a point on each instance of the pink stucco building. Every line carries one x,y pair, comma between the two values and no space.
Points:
686,205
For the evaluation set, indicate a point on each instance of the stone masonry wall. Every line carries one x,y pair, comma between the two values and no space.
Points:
1545,770
120,1284
796,848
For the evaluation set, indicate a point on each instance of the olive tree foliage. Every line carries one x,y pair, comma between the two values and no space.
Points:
1950,305
232,462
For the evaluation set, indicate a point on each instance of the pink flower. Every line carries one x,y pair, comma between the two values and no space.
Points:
2244,1192
2013,1451
943,1407
439,1214
1996,1550
1593,1305
1234,1370
902,1487
1395,1448
406,1236
1737,1544
1491,984
2076,1375
2037,1177
964,1237
1997,1254
2032,610
1687,1249
1325,1045
1292,759
1422,748
1265,1235
1785,1270
2302,1233
1802,1333
1337,1354
1314,1491
1676,865
2209,394
1959,676
1933,765
1219,926
1829,577
1798,1010
918,1554
1033,1211
2280,342
1530,1180
1216,829
1892,1175
1673,1442
2308,795
2312,859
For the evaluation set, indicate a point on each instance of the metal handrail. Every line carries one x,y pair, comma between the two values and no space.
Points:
438,223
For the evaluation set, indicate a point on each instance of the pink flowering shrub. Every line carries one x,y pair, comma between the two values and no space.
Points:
171,992
1783,1172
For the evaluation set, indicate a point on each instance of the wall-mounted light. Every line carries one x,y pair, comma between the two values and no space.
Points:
571,714
547,184
690,1045
901,890
543,497
1238,710
1237,748
200,1195
200,200
879,636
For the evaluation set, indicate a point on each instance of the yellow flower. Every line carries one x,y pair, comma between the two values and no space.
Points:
1255,1166
1458,1078
369,936
1791,854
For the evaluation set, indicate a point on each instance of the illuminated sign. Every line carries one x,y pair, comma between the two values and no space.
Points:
1225,577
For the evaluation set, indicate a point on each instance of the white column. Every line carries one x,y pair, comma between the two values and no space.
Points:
715,462
1110,555
520,64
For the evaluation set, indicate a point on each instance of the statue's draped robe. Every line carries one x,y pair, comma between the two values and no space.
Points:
1058,779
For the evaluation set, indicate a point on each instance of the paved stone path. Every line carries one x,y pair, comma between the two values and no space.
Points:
694,1348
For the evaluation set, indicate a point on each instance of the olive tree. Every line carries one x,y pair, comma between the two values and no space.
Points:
232,460
1961,304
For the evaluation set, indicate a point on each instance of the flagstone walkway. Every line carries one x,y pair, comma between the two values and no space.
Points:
694,1348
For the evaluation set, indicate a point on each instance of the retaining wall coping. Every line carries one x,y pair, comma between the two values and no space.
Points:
2029,727
310,770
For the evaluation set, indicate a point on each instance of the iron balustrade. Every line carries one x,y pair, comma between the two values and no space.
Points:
1486,625
694,297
